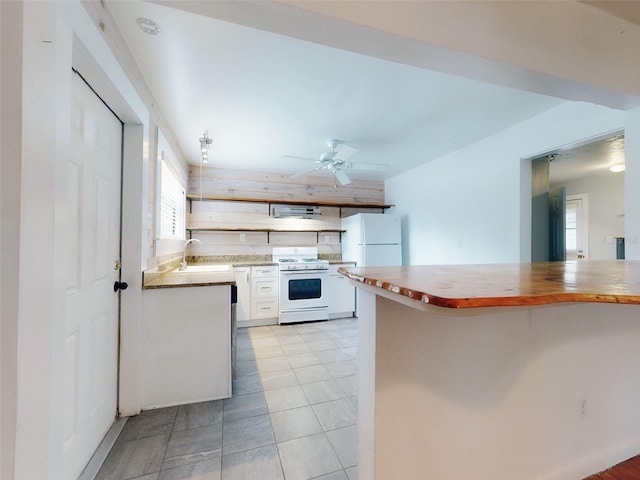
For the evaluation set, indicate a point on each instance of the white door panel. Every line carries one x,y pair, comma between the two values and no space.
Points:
91,324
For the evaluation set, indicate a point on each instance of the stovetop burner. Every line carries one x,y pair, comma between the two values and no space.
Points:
299,258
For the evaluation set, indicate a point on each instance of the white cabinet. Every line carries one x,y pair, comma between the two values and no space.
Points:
257,295
186,345
341,294
264,293
243,282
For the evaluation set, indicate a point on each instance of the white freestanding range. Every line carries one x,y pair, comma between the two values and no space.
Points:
303,282
372,239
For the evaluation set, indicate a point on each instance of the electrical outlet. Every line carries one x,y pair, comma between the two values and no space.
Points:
583,406
243,237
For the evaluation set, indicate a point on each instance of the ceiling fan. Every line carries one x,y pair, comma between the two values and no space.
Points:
335,160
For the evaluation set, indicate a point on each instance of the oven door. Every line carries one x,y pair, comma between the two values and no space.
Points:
302,295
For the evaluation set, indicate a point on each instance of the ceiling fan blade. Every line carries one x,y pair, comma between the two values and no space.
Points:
304,172
297,157
368,166
342,177
345,151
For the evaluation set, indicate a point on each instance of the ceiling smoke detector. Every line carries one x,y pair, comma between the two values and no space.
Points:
148,26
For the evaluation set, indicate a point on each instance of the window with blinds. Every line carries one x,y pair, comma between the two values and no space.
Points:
171,215
172,203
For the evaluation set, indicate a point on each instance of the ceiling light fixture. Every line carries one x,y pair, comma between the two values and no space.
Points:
618,167
205,141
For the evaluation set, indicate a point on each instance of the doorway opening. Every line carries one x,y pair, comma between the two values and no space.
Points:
578,201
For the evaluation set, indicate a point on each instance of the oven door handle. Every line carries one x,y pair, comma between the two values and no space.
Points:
303,272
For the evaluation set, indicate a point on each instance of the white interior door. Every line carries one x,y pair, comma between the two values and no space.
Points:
577,227
91,327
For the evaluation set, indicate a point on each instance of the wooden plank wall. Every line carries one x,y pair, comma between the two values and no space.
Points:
224,182
249,215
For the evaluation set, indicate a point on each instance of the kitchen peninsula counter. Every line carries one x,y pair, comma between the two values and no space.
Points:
499,285
527,371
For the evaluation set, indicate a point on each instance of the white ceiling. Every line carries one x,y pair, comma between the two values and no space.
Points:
593,158
262,96
628,10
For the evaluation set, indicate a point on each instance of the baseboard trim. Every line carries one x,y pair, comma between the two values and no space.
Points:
259,322
602,460
99,456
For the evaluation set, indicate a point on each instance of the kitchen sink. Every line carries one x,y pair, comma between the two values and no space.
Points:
206,268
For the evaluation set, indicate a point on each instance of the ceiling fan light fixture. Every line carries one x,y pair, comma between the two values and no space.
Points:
336,159
327,157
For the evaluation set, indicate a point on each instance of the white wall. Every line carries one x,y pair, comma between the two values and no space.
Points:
632,185
10,153
466,207
46,71
41,36
606,208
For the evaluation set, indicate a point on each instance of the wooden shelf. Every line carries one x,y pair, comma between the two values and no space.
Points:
267,230
291,202
270,230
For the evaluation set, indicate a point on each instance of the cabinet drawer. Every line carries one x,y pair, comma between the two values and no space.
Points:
268,271
267,287
265,308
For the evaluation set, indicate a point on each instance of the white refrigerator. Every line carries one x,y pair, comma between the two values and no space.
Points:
372,239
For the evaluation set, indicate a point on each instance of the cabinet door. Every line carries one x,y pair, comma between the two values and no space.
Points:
344,297
264,292
187,345
243,282
341,294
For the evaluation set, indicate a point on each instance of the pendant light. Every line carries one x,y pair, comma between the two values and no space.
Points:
205,141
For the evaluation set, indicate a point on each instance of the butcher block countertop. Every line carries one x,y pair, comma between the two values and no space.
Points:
508,285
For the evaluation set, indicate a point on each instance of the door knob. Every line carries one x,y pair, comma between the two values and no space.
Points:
120,286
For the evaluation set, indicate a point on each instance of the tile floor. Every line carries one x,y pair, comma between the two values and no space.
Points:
292,415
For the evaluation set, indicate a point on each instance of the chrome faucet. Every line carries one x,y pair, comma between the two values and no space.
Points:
183,264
